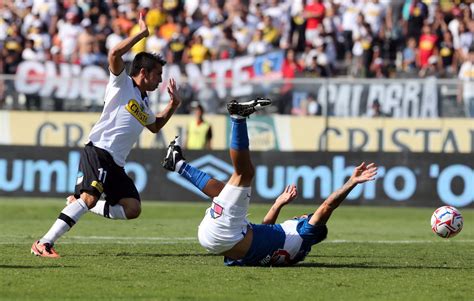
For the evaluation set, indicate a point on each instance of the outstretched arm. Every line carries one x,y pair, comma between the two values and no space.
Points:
285,198
116,63
361,174
165,115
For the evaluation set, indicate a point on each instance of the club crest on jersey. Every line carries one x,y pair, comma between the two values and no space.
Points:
216,210
134,108
98,186
280,257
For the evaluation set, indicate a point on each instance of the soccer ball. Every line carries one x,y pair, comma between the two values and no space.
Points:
446,221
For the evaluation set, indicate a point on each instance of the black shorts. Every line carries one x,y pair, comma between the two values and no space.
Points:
99,174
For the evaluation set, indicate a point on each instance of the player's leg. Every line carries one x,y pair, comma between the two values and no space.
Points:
105,209
71,214
175,161
239,147
224,227
121,198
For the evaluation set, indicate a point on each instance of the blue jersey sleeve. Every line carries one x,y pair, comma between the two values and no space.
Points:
266,240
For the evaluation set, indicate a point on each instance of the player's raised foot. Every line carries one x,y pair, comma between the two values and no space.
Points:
173,156
43,250
245,109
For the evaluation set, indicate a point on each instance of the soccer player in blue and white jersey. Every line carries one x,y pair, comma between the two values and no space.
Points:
225,229
101,169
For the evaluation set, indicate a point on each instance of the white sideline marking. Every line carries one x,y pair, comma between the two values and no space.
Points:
130,238
342,241
157,240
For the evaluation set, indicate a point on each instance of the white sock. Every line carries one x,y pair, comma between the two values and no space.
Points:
68,217
178,165
104,209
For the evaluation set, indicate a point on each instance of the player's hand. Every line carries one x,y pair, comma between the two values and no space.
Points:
287,196
364,173
175,99
143,28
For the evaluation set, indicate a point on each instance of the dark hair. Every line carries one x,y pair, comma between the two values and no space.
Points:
146,60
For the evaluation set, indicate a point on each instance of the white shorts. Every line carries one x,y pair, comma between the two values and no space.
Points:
225,222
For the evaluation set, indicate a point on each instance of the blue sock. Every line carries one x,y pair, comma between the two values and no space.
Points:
240,138
195,176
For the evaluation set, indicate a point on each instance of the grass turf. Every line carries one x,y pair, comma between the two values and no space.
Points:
372,253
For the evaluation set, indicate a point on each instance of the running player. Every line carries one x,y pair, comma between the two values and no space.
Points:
225,229
101,169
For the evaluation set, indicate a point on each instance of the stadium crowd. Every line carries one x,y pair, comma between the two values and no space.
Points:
322,38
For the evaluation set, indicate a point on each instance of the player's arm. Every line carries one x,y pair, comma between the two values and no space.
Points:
165,115
361,174
116,63
285,198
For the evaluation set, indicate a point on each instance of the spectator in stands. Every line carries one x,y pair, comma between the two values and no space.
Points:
432,68
409,56
122,19
297,29
68,33
427,46
290,69
41,40
197,53
210,35
377,68
448,54
169,28
177,44
374,15
367,44
214,11
85,43
11,56
156,44
311,106
416,14
155,16
228,47
258,45
466,91
116,37
48,12
271,33
466,38
243,25
199,130
102,30
350,11
33,100
30,53
313,13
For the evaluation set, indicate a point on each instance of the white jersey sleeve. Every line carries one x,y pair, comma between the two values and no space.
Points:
126,112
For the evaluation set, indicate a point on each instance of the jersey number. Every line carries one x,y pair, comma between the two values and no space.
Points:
102,175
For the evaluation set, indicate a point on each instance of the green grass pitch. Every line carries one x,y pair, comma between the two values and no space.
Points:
371,253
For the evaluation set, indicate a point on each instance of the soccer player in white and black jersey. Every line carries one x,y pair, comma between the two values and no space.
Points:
101,169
